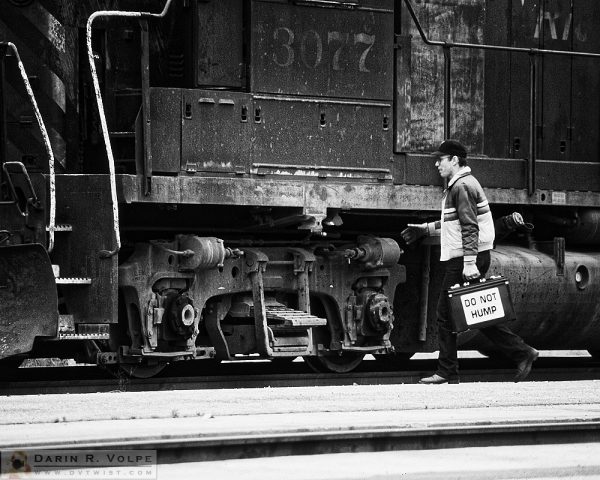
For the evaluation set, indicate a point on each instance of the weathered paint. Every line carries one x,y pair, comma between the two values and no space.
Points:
28,299
443,20
318,196
332,52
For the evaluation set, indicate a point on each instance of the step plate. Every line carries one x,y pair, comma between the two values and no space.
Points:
73,281
291,318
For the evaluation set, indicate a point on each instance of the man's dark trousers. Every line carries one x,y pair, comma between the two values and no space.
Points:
510,344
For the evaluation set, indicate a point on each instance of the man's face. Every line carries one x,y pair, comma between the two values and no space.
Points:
446,165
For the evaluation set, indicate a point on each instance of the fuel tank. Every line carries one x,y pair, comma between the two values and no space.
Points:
557,307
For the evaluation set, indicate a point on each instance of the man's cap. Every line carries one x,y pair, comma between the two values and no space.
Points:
451,147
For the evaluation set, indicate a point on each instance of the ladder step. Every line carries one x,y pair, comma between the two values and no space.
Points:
62,228
83,336
121,134
73,281
68,330
292,318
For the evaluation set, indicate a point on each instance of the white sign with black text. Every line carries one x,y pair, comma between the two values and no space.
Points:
482,306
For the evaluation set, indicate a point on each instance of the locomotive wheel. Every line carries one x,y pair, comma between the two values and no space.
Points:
142,370
336,363
595,354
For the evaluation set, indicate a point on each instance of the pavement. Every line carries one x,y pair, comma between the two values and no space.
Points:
93,420
541,462
43,420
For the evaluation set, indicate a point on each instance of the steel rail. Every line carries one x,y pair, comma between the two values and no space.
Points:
182,448
264,374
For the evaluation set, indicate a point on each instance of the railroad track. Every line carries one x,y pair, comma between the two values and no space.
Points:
199,375
177,448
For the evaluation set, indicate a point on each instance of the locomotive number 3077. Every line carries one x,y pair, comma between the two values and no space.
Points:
310,47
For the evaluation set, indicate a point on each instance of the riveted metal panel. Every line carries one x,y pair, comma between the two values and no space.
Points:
322,48
315,133
219,43
585,110
444,20
497,31
553,29
165,114
523,22
84,202
216,128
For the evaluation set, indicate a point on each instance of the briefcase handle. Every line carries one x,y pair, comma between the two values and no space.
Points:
477,280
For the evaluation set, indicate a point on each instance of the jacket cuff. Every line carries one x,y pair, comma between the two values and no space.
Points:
431,229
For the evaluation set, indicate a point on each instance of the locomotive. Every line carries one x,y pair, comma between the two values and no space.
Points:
218,180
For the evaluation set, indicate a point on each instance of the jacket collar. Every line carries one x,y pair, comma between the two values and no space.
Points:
463,172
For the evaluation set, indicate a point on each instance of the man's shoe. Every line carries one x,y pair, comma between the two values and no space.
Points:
436,379
524,366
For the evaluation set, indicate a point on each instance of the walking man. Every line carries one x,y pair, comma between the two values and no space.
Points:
466,231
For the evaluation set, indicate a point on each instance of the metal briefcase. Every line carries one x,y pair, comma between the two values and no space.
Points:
480,304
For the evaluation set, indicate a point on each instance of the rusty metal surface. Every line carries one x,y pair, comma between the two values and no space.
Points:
554,32
28,300
84,203
567,105
240,133
496,107
317,133
585,82
219,48
506,173
306,49
165,132
445,20
318,196
217,129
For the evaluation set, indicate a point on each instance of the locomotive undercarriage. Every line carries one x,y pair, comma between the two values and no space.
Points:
195,298
279,291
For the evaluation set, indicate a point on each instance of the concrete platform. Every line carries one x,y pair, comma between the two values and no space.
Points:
61,420
541,462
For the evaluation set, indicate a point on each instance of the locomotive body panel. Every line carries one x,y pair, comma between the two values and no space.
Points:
328,50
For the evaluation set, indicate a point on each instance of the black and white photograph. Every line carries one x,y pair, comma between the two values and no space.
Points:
300,239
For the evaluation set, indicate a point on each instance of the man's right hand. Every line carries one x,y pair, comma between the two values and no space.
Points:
414,231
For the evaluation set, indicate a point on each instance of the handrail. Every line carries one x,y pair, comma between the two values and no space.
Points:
47,145
533,52
33,201
103,124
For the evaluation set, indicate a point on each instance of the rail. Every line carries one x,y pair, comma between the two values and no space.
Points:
103,125
534,53
4,47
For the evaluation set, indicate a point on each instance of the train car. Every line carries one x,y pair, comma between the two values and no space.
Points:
217,180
